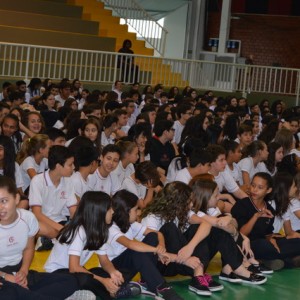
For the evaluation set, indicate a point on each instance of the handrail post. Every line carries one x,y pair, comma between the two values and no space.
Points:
244,93
27,62
116,68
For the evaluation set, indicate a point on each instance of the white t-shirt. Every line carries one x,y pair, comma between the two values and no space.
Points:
14,237
278,221
30,163
235,173
59,256
121,173
131,120
247,165
184,176
53,200
224,180
295,151
136,188
80,185
174,167
153,222
290,214
106,140
112,248
18,176
109,185
178,131
263,168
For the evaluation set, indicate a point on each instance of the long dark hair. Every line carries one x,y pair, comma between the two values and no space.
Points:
9,157
271,161
123,201
91,215
282,183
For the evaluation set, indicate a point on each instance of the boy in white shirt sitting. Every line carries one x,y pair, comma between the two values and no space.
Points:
86,163
199,163
52,192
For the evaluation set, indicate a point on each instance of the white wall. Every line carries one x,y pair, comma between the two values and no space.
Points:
175,23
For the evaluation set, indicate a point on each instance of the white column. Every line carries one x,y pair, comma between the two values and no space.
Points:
224,26
195,29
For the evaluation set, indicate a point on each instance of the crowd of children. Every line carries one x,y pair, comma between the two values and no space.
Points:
152,182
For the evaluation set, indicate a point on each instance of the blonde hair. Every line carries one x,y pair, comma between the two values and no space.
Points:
32,146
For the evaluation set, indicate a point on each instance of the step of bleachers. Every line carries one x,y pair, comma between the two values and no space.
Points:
48,22
21,35
52,8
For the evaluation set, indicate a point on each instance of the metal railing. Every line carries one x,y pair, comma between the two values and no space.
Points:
28,61
142,22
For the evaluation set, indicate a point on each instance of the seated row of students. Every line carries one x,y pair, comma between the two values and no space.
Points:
116,171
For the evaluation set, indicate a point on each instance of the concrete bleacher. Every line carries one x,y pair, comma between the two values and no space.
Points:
75,24
50,23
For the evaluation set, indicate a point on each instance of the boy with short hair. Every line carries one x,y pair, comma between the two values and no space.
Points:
244,136
86,163
50,192
56,136
123,128
161,150
183,113
199,163
223,178
102,179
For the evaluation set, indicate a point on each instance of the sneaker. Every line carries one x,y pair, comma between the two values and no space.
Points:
274,264
128,290
253,279
82,295
264,269
230,277
200,286
44,244
166,292
254,269
213,285
144,289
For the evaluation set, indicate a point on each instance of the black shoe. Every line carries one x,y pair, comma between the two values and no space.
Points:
128,290
254,269
199,285
230,277
274,264
166,292
213,285
264,269
253,279
46,245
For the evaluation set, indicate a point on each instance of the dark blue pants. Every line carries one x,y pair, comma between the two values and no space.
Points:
143,262
87,282
289,248
217,240
41,286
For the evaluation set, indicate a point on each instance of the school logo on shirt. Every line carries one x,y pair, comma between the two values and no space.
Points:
63,195
11,241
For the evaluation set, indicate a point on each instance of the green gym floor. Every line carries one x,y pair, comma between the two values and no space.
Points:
282,285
